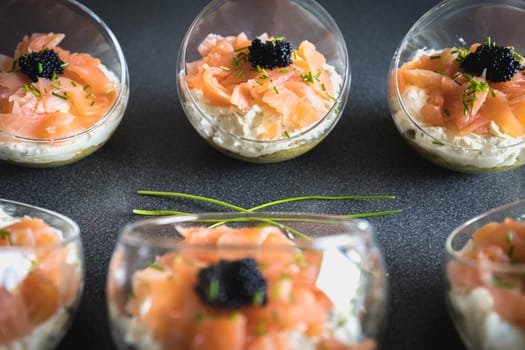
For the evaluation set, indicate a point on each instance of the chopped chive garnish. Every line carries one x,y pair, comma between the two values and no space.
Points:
26,87
199,316
92,103
240,74
235,315
263,265
34,264
276,290
492,92
65,64
435,57
331,96
286,133
155,266
32,86
213,290
261,328
508,237
73,83
516,55
235,63
439,143
54,76
85,87
446,111
241,48
55,86
284,276
297,69
258,298
4,234
276,90
40,67
89,94
224,68
283,70
308,77
177,259
294,52
64,97
259,82
498,282
460,53
323,87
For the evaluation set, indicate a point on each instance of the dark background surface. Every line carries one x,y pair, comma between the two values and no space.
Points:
156,148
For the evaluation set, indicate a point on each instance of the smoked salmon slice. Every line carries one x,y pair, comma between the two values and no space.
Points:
56,107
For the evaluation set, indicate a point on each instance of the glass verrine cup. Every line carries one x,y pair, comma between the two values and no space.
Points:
238,281
254,113
57,121
485,269
41,276
434,101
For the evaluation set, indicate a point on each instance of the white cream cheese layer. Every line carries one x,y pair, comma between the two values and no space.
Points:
486,329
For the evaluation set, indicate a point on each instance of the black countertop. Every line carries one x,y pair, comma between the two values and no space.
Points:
156,148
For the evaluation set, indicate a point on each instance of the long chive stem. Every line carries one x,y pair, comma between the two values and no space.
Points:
302,198
159,212
258,207
375,213
191,196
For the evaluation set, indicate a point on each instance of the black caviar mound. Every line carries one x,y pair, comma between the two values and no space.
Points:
232,284
45,64
270,54
499,62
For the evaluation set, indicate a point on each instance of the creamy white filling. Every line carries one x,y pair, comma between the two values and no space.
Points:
137,334
247,125
494,150
483,326
44,335
41,153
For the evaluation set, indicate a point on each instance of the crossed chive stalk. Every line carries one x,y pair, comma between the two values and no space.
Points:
260,206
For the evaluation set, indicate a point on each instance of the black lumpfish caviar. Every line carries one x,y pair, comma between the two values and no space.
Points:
499,62
270,54
45,64
232,284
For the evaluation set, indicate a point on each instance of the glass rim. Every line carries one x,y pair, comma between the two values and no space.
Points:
73,235
428,18
456,254
123,76
128,234
340,99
